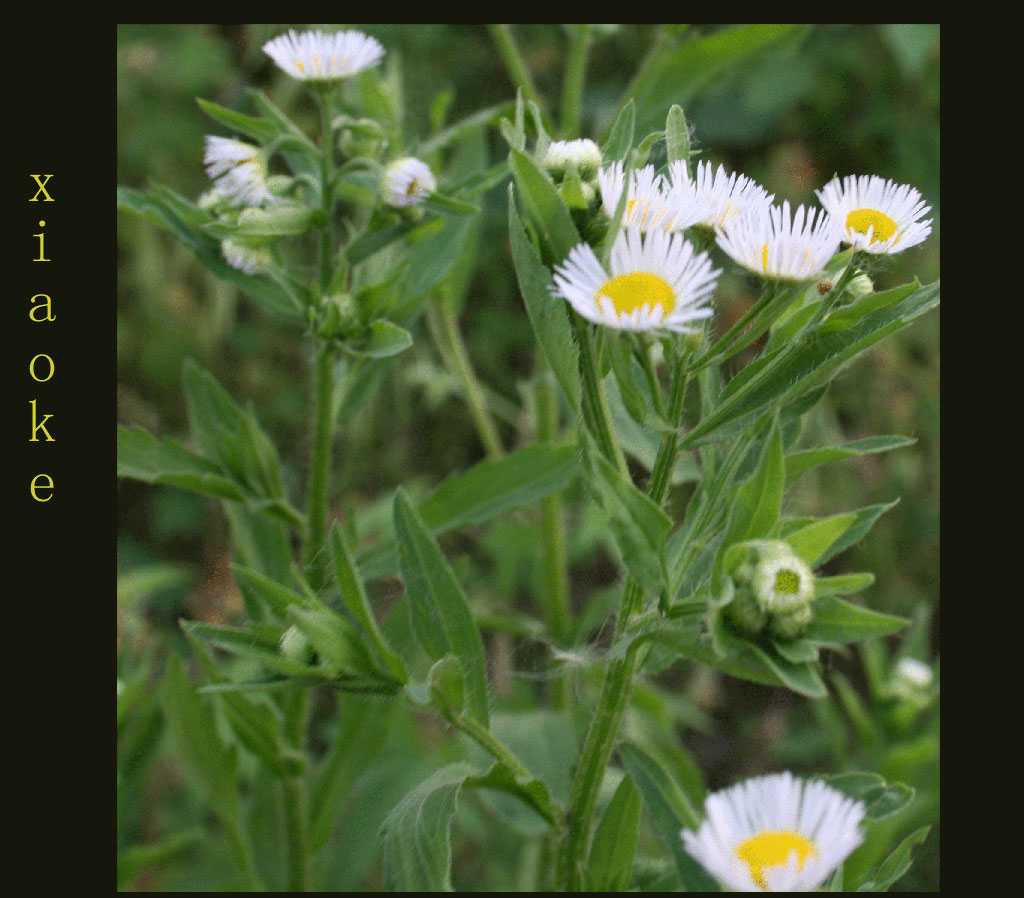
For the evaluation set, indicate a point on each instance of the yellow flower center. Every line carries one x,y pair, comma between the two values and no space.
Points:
860,220
299,65
764,258
769,849
629,292
787,581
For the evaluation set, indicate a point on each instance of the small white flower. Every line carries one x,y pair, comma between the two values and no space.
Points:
777,245
727,195
250,259
407,182
775,833
584,152
877,216
914,673
324,57
652,203
657,281
238,169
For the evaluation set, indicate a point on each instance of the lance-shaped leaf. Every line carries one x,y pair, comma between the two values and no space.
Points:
881,799
548,211
440,612
896,864
818,540
611,854
638,525
797,368
620,138
671,812
836,621
798,462
547,313
677,136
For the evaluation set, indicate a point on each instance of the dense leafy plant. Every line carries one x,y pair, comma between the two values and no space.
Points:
366,233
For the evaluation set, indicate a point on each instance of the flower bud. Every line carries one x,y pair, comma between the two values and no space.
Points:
773,589
583,152
249,259
860,286
295,646
407,182
340,316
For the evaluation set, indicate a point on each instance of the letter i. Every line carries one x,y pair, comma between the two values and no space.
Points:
42,254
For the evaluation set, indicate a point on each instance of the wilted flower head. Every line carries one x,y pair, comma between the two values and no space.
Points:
876,215
407,182
775,833
238,169
319,56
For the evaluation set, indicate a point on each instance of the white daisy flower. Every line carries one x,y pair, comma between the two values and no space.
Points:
775,833
250,259
878,216
657,281
324,57
653,203
728,195
238,169
780,246
584,152
407,182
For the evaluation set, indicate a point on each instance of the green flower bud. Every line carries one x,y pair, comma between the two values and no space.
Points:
860,286
773,589
295,646
339,316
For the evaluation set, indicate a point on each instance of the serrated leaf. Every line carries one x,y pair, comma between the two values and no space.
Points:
547,313
440,611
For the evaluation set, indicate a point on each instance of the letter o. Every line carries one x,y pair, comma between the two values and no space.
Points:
32,368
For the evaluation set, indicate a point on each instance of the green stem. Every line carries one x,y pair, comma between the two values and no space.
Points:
554,562
618,681
444,328
295,831
575,74
596,413
514,64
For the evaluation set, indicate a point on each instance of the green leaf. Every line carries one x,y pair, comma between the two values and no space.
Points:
141,456
259,590
677,136
355,598
823,538
154,855
685,71
547,313
417,834
896,864
881,799
257,128
801,366
435,256
611,854
464,127
185,221
440,612
336,642
758,501
620,138
208,760
671,812
487,490
638,525
842,585
836,621
548,212
382,339
798,462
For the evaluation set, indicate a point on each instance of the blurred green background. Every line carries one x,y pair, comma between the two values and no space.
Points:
832,99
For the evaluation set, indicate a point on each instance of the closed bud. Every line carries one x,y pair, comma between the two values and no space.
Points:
583,152
295,646
773,589
340,316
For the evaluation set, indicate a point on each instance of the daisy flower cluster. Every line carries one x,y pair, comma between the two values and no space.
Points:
653,283
775,833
